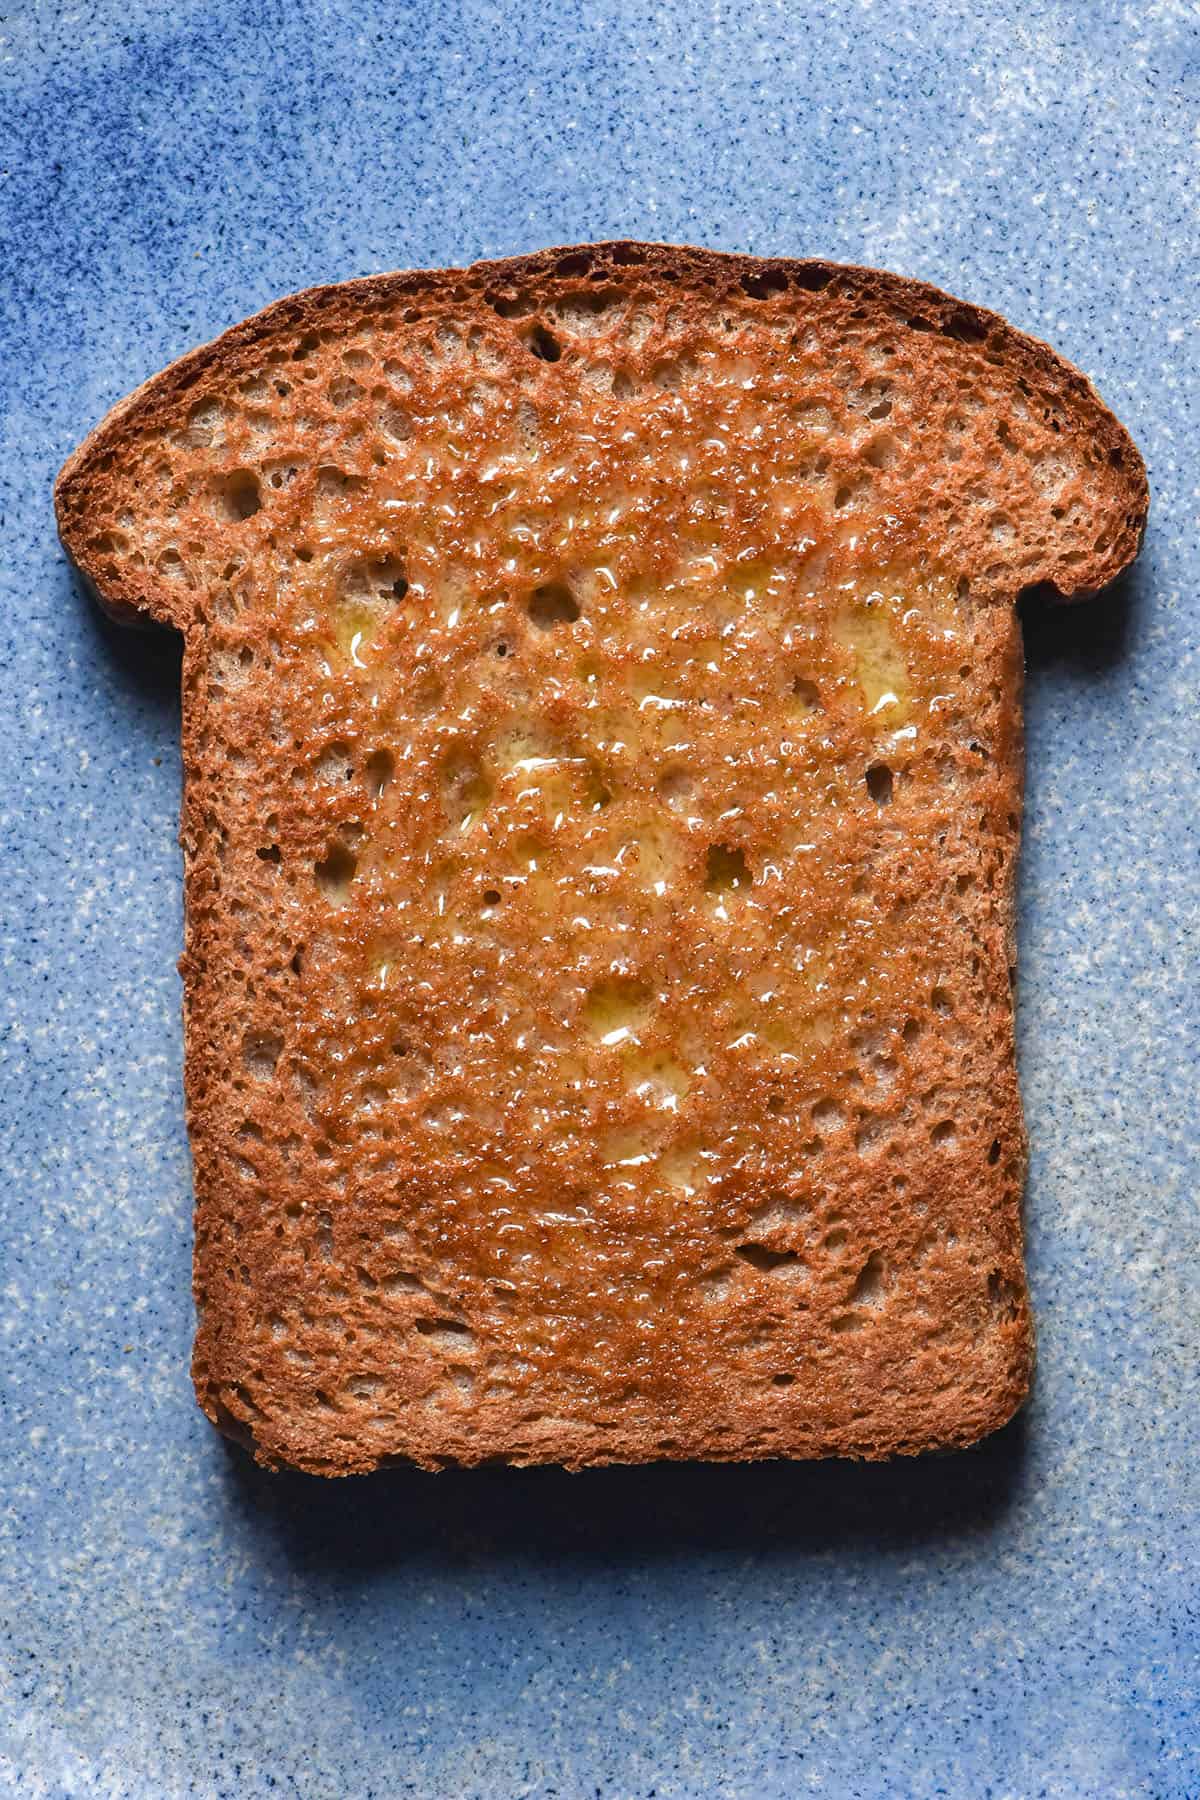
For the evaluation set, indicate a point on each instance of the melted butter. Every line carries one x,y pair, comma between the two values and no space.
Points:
659,1080
606,902
631,1149
880,667
684,1167
616,1010
650,855
351,637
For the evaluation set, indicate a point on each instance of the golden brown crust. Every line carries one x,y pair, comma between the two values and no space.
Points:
778,487
79,491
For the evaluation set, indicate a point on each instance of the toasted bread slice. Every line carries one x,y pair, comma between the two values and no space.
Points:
602,740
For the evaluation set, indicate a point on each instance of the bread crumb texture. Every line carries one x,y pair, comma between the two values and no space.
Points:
603,768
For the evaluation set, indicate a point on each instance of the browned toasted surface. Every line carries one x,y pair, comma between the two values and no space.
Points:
603,768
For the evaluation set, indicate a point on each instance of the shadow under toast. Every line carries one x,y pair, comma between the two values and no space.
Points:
1087,637
142,662
626,1514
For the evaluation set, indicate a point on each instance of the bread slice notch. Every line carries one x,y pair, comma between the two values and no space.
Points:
602,746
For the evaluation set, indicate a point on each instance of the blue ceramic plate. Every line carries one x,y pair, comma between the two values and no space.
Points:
1016,1621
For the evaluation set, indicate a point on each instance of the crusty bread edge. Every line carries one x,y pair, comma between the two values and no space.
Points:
136,597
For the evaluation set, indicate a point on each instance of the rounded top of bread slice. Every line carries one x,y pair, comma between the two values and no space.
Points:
980,436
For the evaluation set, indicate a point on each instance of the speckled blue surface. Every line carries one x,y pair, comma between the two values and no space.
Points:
1020,1621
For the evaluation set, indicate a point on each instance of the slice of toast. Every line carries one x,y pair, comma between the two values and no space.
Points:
602,740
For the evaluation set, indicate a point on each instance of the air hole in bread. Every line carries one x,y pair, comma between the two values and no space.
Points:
597,793
385,579
491,896
882,451
238,496
379,770
543,344
811,279
552,604
396,424
725,869
941,1001
806,694
335,872
717,1285
963,326
270,853
334,483
871,1287
204,422
335,764
509,306
673,375
447,1335
880,783
401,1281
782,1380
993,1154
362,1387
761,287
260,1054
827,1115
765,1260
943,1134
584,310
